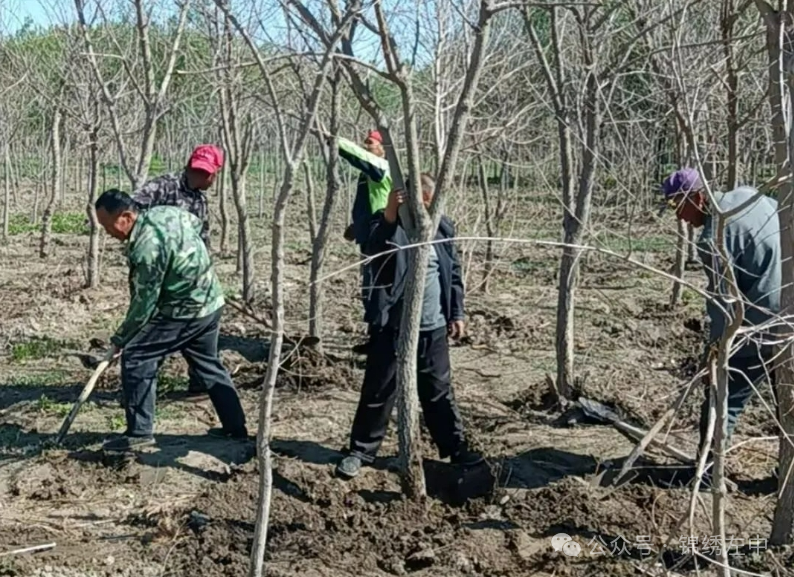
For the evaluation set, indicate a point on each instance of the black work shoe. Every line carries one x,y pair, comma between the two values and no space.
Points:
467,458
349,467
222,433
127,443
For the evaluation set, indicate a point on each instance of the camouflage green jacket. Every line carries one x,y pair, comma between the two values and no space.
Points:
170,271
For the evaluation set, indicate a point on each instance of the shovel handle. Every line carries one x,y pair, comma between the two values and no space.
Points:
86,392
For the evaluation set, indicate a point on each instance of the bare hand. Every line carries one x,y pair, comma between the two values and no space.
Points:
456,329
396,198
112,353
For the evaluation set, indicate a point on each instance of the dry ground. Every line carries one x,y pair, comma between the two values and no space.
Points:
187,506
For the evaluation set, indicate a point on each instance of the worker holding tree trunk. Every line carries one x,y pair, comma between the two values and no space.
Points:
186,190
442,316
175,307
372,192
752,244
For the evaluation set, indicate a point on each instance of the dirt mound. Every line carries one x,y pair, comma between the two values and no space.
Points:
358,528
487,328
306,367
59,475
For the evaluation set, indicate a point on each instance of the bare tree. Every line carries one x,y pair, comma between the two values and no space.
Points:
779,23
322,233
292,152
56,121
238,137
420,224
150,93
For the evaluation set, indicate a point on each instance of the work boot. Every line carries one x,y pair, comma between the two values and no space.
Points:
128,443
466,458
349,467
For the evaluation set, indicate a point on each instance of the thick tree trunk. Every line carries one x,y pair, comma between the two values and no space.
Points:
55,149
780,93
413,478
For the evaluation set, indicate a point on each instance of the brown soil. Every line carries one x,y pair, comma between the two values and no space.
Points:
188,506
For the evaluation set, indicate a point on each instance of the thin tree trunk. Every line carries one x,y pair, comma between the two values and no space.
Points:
489,230
692,248
311,201
261,194
246,252
55,149
65,166
732,92
92,275
223,200
7,191
322,235
681,251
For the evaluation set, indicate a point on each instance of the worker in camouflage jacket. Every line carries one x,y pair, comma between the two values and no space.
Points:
175,306
186,190
752,244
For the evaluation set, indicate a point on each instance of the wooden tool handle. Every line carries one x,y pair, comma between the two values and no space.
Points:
67,422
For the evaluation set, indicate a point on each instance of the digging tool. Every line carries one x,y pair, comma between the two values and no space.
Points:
104,364
88,360
648,438
601,412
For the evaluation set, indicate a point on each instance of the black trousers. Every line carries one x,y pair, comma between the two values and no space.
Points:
743,374
197,340
379,392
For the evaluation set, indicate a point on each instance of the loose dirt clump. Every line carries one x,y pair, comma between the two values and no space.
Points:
307,368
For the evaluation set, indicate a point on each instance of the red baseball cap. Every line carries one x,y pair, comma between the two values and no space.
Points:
207,158
374,135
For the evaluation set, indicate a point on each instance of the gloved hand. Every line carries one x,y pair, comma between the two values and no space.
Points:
350,234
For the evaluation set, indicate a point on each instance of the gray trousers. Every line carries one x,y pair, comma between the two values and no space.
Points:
197,340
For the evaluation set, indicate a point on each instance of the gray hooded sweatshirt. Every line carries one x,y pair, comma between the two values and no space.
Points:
752,242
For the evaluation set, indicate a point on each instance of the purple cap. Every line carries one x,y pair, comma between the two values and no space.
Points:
684,180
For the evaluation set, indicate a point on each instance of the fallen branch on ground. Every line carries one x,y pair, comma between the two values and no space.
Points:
33,549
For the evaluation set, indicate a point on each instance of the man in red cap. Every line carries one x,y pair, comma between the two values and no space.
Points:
372,192
186,191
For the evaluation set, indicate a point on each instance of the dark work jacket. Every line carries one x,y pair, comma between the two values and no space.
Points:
361,213
389,272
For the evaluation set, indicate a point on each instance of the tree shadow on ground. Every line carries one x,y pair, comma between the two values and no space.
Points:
205,456
544,465
11,395
252,350
453,484
677,476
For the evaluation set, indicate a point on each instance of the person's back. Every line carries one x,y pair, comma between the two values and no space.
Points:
168,239
752,241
